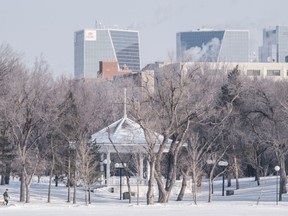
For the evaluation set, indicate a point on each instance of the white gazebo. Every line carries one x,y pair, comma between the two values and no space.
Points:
127,137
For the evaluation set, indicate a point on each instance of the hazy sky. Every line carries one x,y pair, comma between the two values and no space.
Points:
35,27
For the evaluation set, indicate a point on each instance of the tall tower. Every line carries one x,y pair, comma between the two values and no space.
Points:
94,45
275,45
206,45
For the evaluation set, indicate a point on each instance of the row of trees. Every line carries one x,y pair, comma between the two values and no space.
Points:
211,116
43,120
202,115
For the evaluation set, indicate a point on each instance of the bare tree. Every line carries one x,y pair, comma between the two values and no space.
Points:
78,119
195,160
23,110
87,161
268,118
9,62
177,102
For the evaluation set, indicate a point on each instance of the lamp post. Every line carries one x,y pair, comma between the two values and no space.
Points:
223,164
120,166
105,172
277,168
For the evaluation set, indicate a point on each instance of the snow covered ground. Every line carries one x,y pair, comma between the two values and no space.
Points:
248,200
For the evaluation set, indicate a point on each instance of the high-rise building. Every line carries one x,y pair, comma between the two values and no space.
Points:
205,45
94,45
275,45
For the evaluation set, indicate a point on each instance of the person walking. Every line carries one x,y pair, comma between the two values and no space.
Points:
6,196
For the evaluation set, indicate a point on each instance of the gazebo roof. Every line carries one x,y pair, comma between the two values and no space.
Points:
125,134
123,131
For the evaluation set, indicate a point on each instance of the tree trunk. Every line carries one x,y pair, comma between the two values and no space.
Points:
22,187
183,188
49,189
165,190
229,178
50,179
283,181
163,194
74,189
151,181
27,187
257,175
236,170
283,178
7,174
194,186
129,186
158,176
2,179
7,179
86,194
210,189
69,178
89,194
211,178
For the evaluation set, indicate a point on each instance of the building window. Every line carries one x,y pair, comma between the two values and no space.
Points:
273,72
253,72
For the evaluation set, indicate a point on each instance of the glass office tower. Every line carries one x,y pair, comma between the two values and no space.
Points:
212,46
94,45
275,45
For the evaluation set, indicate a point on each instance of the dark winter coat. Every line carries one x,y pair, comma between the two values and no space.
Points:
5,195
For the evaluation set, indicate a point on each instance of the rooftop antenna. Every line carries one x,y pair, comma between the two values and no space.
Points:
98,25
125,115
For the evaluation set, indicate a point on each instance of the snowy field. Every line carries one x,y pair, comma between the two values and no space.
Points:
249,200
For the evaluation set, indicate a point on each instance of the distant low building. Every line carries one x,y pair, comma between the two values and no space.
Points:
269,70
108,70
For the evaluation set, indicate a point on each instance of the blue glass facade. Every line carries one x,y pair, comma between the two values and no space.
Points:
94,45
212,46
275,45
126,45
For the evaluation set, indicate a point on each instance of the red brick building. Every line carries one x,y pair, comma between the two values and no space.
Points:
109,69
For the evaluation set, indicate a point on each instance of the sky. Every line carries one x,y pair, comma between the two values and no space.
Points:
46,27
105,203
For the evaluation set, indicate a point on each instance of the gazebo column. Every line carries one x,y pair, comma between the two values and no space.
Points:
102,170
108,162
148,170
102,162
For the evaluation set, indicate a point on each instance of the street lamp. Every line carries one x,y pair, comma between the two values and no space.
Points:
223,164
277,168
120,166
105,171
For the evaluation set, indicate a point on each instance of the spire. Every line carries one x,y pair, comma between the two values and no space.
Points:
124,119
125,111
